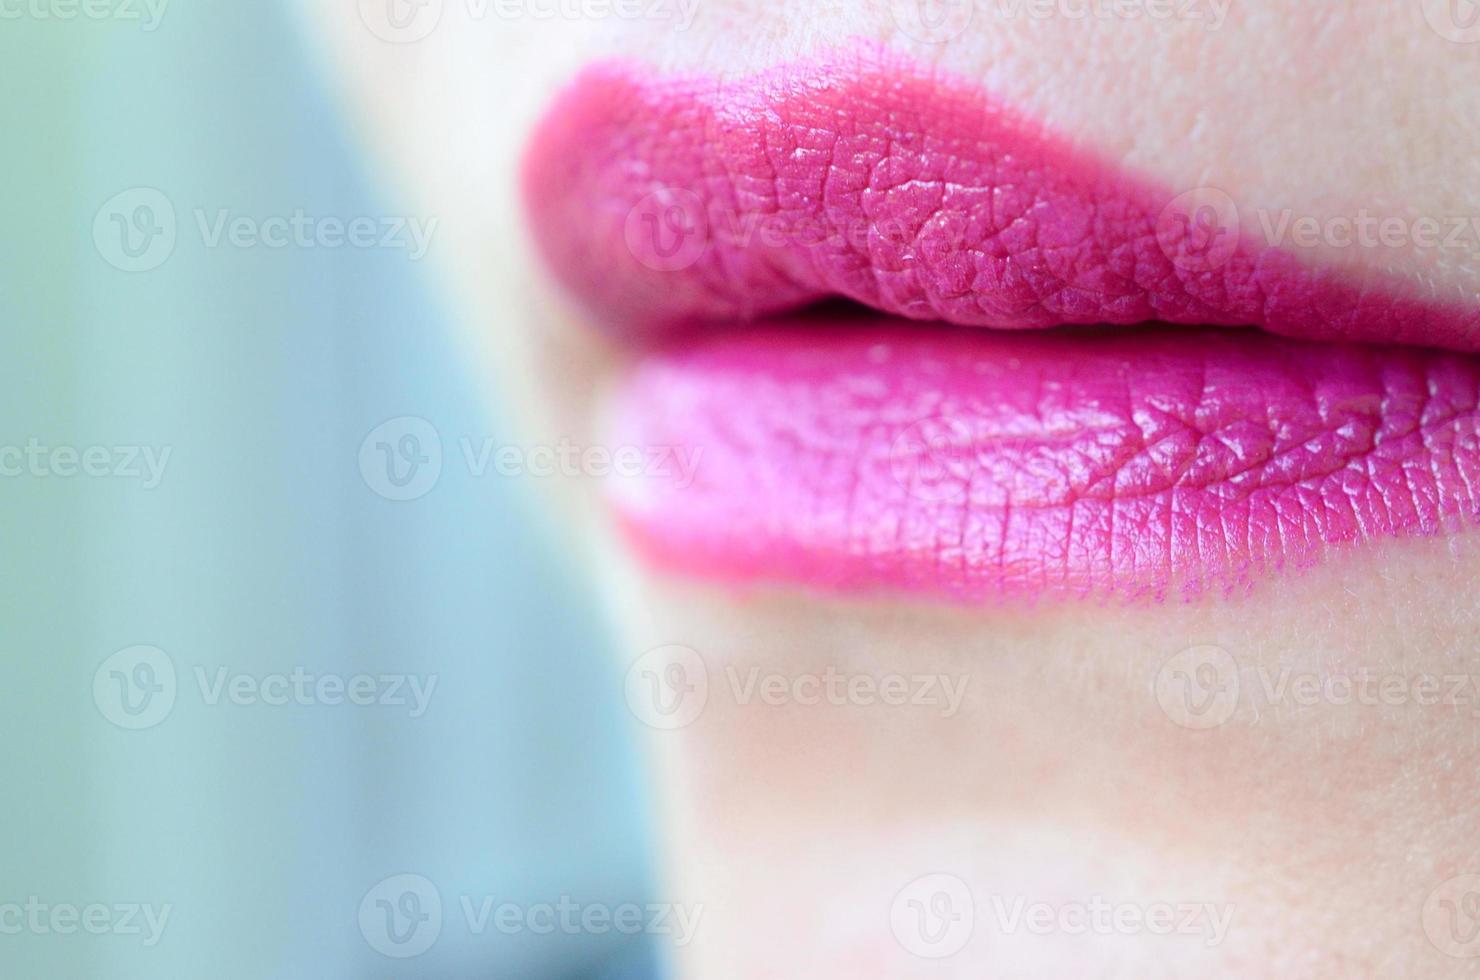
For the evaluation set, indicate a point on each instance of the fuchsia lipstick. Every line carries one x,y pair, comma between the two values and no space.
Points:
881,453
1008,465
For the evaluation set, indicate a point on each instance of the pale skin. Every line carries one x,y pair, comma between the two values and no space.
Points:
1322,818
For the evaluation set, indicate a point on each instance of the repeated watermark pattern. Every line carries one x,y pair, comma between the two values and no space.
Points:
672,228
1451,917
670,686
138,687
1199,687
934,916
409,21
36,917
1200,230
144,465
935,459
939,21
146,13
1203,687
1453,20
937,915
402,459
1098,916
1286,229
138,229
403,916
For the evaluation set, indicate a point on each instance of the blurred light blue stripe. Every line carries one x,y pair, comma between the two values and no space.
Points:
263,550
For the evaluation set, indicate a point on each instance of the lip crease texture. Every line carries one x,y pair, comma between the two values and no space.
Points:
694,217
1014,465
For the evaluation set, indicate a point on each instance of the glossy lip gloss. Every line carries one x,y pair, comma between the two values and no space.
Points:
880,453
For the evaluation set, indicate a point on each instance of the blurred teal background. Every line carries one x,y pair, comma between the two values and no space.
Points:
263,549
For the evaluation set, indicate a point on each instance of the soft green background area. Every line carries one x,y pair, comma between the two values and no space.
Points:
263,549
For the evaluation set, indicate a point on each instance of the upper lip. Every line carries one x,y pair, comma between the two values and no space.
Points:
666,204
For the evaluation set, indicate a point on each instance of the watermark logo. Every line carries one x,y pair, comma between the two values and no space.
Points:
667,688
401,21
401,916
401,459
409,21
303,688
939,21
146,464
667,231
568,917
135,230
1451,917
1199,230
300,230
670,687
1099,916
934,459
147,13
138,687
135,688
41,918
1202,687
1454,20
831,687
1212,13
1364,230
934,916
677,465
1199,687
932,21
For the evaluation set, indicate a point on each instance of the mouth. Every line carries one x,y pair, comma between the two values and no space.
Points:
913,342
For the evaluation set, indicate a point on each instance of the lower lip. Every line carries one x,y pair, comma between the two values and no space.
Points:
990,467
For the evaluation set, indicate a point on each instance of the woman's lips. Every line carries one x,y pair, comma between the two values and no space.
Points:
975,463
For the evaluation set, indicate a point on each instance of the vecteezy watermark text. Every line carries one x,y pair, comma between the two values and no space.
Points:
147,13
40,460
1211,14
41,918
138,688
402,459
299,229
409,21
936,916
938,21
1204,687
1460,233
403,916
138,229
670,686
1202,230
1101,917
